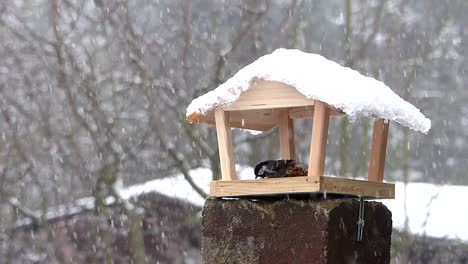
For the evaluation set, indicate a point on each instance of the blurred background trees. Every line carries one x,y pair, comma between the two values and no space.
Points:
93,93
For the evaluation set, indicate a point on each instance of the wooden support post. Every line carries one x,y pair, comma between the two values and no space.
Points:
226,153
378,151
318,145
286,129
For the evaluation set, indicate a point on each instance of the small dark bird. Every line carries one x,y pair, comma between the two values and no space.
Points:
274,168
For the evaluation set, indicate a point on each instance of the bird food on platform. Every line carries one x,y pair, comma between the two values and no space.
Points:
278,168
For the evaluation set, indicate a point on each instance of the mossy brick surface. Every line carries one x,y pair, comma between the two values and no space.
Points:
294,231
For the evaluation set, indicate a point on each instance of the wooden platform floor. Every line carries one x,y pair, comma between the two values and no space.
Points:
293,185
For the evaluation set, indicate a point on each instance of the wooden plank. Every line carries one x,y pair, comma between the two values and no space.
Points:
254,119
378,151
378,190
260,119
305,112
226,153
301,112
264,94
318,144
252,115
244,125
286,129
265,186
323,184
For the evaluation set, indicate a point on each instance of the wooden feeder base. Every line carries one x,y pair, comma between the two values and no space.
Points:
291,185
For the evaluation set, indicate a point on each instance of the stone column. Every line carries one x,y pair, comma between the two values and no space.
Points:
294,231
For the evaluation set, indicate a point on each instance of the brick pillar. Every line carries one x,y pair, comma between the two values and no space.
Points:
294,231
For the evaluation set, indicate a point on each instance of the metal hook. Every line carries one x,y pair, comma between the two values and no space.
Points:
360,222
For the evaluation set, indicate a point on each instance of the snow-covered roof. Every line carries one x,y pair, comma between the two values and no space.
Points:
316,78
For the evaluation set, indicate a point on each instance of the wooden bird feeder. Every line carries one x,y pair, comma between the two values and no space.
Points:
266,104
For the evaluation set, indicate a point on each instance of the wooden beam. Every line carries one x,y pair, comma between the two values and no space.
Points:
259,119
365,188
286,185
286,129
378,151
243,125
264,94
318,143
307,111
226,153
265,186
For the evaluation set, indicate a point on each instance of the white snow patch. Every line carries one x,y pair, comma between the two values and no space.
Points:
432,209
178,187
317,78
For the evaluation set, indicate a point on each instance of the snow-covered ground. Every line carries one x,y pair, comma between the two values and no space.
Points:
431,209
178,187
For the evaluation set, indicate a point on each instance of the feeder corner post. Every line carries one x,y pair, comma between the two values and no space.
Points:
226,152
378,150
286,129
318,145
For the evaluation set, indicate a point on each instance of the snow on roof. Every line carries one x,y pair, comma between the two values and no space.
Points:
321,79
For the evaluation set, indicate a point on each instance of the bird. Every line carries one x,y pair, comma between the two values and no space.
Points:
274,168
